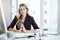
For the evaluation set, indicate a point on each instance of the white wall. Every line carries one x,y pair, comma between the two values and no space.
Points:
58,29
52,17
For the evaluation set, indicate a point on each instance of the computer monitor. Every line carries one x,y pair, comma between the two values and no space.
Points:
2,19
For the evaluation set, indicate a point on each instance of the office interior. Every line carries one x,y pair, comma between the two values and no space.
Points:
45,12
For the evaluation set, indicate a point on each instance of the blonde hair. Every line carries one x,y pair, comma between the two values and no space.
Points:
19,16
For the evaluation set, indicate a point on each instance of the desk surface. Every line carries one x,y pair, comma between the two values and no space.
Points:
48,37
20,38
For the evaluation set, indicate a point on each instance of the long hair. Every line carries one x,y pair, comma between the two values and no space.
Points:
20,15
19,9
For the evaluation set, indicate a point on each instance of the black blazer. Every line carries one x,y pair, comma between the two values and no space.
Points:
28,22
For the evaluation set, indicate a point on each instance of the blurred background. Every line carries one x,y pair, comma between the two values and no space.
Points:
45,12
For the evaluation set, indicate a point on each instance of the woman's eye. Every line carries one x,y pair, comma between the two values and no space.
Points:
22,9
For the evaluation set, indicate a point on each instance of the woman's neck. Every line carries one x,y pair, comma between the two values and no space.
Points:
23,17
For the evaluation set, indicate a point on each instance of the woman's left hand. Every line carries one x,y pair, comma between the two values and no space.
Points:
22,28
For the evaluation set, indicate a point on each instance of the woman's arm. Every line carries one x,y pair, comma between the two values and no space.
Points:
13,30
34,24
35,27
33,31
11,26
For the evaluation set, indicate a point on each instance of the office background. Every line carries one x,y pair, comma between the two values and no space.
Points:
52,12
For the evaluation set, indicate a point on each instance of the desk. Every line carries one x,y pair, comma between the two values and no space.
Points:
48,37
13,38
32,38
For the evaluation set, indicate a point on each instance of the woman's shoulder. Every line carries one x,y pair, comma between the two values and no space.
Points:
15,17
30,17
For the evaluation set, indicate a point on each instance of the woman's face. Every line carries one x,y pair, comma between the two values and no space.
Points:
23,10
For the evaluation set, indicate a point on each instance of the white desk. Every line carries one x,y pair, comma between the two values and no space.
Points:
48,37
13,38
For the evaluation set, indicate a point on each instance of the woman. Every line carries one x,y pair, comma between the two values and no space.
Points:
23,22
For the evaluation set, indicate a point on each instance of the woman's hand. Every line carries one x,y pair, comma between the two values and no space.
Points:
13,30
33,31
10,29
22,28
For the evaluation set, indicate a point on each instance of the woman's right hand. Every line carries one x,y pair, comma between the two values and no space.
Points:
13,30
10,29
